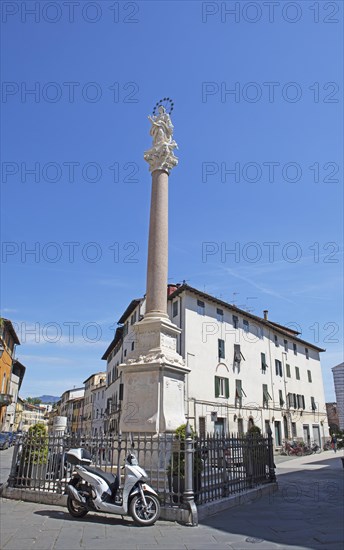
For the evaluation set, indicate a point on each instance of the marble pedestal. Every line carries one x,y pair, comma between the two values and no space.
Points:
153,379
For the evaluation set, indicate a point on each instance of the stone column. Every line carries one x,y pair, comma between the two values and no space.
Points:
154,372
157,265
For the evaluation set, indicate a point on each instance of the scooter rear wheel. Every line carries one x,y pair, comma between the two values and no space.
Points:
144,515
75,508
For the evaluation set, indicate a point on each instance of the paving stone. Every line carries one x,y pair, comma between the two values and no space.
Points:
264,545
19,544
5,536
70,543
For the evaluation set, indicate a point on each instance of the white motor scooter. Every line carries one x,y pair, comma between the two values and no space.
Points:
92,489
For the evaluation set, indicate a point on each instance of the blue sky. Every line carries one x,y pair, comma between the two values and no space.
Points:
84,131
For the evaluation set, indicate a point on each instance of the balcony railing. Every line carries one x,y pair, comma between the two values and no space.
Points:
5,399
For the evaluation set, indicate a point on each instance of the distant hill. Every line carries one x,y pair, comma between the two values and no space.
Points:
48,398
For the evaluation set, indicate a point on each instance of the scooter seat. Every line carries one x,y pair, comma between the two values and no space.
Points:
107,476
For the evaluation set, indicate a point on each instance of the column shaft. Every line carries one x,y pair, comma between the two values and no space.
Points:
157,266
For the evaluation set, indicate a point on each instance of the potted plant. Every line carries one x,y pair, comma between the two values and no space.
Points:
176,467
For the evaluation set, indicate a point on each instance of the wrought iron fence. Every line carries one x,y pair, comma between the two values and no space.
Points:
231,464
221,465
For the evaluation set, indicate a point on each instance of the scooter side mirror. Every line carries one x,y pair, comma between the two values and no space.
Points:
131,459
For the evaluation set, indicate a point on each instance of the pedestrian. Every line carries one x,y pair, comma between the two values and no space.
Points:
334,442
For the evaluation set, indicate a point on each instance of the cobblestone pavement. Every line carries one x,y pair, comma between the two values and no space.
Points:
305,513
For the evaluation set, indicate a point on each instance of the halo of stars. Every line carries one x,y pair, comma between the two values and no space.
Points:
166,102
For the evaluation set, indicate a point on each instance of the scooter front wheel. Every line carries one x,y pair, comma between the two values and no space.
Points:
144,514
75,508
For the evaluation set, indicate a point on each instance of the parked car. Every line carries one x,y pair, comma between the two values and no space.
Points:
11,437
4,440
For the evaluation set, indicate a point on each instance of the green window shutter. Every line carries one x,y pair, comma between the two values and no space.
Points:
227,387
217,386
263,361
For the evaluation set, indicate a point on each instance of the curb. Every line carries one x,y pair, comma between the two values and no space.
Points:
179,515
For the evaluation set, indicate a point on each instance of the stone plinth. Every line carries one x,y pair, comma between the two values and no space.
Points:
153,398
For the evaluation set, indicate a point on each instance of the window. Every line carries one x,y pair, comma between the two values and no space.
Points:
200,307
313,405
281,400
125,329
291,400
132,346
221,348
295,349
288,370
125,353
133,318
239,393
293,429
263,362
219,314
276,340
235,320
285,343
309,374
175,309
297,373
201,424
300,401
237,356
307,353
278,367
246,325
266,396
221,387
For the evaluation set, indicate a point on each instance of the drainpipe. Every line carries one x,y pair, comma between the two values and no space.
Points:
271,369
284,358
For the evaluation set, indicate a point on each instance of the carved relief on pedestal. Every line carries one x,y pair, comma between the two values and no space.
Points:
168,341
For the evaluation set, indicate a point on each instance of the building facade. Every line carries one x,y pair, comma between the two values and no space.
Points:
17,375
120,349
33,414
65,407
98,407
244,370
77,410
332,416
8,342
338,378
90,384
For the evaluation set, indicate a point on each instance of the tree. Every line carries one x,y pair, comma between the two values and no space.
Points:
34,456
34,400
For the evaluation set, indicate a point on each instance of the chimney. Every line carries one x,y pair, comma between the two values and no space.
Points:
266,311
171,289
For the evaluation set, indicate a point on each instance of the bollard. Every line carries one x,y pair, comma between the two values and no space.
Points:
272,474
188,496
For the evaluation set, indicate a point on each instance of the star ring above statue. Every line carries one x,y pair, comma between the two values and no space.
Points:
165,102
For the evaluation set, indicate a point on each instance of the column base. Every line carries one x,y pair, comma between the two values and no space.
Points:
153,397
